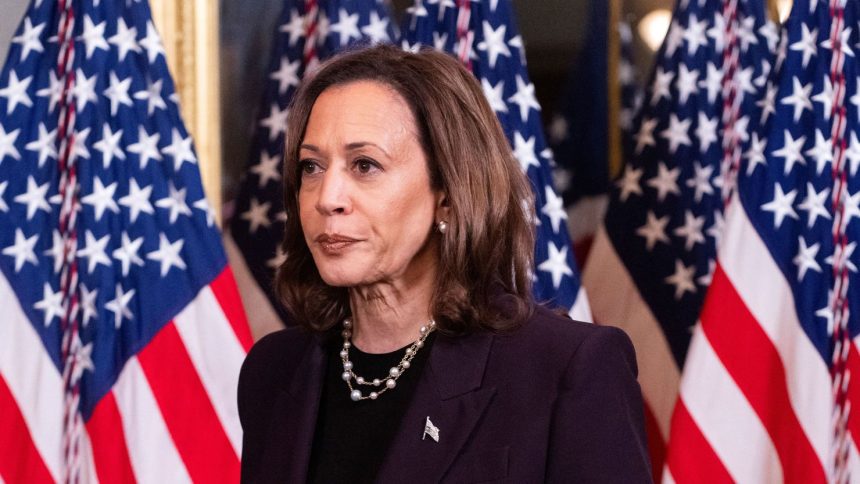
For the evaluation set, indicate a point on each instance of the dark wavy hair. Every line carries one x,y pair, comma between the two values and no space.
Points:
486,255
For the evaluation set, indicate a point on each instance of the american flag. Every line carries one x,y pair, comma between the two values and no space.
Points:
770,389
483,35
654,257
122,332
308,31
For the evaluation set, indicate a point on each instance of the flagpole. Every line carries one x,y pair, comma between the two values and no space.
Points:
613,43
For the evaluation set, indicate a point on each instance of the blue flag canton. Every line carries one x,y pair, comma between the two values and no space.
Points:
146,238
787,187
259,223
665,215
498,61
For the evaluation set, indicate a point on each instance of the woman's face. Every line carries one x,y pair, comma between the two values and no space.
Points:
365,202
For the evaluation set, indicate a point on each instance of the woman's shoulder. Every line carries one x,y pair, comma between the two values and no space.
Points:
274,355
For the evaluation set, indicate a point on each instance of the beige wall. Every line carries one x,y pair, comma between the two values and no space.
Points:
12,12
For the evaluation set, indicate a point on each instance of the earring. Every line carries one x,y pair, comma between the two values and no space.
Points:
442,227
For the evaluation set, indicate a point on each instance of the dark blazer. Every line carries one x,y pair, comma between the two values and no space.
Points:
554,401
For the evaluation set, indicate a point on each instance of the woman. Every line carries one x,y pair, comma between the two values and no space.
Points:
421,356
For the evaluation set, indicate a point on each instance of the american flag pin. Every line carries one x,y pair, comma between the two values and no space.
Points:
431,430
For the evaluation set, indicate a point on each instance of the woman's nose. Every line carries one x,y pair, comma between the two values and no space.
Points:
334,194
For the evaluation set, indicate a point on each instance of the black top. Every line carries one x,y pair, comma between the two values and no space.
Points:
352,438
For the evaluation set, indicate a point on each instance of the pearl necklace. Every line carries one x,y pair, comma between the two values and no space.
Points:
394,373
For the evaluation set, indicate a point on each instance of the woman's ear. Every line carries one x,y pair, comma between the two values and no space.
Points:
443,207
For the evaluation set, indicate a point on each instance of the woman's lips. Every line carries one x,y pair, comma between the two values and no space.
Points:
333,244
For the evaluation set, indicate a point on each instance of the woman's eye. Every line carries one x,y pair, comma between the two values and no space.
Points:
308,167
365,166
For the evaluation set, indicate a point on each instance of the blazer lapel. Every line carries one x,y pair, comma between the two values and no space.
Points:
450,394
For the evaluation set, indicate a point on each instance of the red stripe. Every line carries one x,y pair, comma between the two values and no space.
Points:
19,459
656,446
690,457
108,441
187,411
227,293
754,363
854,394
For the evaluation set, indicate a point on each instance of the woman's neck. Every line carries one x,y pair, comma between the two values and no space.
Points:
387,317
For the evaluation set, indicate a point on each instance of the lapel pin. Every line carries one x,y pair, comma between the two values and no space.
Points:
431,430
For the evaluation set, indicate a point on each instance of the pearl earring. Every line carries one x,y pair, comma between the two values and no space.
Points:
442,227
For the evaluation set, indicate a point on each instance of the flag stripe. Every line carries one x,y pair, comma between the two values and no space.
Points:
706,466
761,378
20,460
187,411
110,453
225,290
854,391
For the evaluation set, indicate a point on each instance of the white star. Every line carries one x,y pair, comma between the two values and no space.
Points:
768,102
713,82
440,40
687,83
494,43
814,204
843,256
278,259
851,208
377,29
346,26
287,75
746,33
744,80
770,32
146,147
84,90
93,36
556,264
716,229
22,250
855,99
853,153
654,230
295,28
701,181
525,98
126,254
494,95
629,182
3,206
29,39
51,303
645,136
257,215
35,197
718,32
799,98
822,152
755,154
662,83
152,43
101,198
705,279
554,209
666,181
119,305
276,123
791,151
125,39
806,44
88,304
180,150
53,91
268,169
117,92
706,131
168,254
109,145
16,92
827,312
825,97
57,251
805,258
682,279
175,202
781,205
677,133
7,144
81,356
674,38
203,205
691,231
95,251
45,144
79,147
524,151
695,35
152,96
842,45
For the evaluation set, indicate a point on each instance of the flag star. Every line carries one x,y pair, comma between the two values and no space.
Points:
768,102
203,205
268,169
691,231
718,32
851,207
175,202
716,228
3,206
35,197
152,43
855,99
79,147
525,98
84,90
180,150
705,279
762,79
168,254
81,356
146,147
278,259
45,144
101,198
746,33
494,95
662,83
695,34
57,251
323,28
799,98
791,151
781,205
654,230
152,96
125,39
822,152
825,97
95,251
677,133
814,204
137,200
770,32
126,254
645,135
257,215
842,44
674,38
53,91
119,305
806,44
407,47
117,93
682,279
701,181
687,83
7,144
295,28
346,26
93,36
827,312
276,123
843,256
554,209
22,250
713,82
629,182
556,264
376,29
416,10
109,145
287,75
755,154
853,153
440,40
16,92
666,181
744,80
494,43
88,304
30,39
524,151
51,304
706,131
